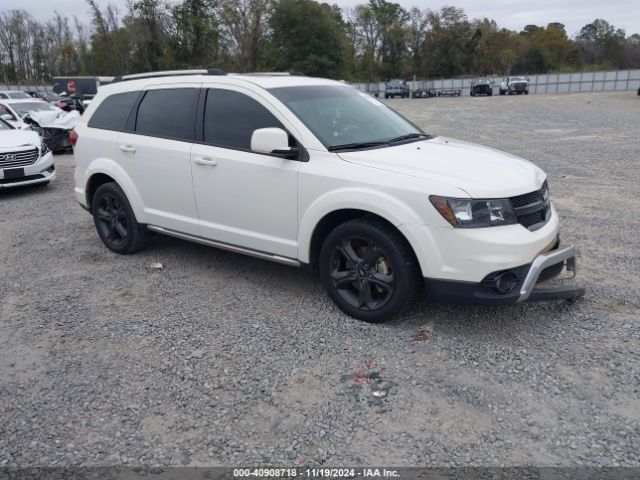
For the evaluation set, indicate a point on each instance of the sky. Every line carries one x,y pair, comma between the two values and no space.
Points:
512,14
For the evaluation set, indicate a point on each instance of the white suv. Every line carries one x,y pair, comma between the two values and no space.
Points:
311,172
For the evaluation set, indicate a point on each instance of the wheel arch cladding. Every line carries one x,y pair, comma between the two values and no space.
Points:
103,171
95,181
332,219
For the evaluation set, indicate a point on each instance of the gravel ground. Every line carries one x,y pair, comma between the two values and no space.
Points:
220,359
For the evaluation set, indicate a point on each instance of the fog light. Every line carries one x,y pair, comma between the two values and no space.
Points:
505,282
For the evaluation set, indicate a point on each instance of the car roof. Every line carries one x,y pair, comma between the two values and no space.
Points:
263,80
23,100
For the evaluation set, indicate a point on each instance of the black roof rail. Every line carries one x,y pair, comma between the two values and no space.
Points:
169,73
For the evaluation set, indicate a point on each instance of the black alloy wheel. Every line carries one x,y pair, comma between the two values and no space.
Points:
361,273
112,223
368,269
114,220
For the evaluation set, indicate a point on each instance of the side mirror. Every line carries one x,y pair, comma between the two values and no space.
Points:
7,117
272,141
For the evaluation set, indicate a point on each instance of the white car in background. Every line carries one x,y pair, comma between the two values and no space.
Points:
14,110
15,94
52,123
24,158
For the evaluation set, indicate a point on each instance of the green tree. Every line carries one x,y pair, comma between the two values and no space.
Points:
602,43
245,22
196,40
552,43
148,24
451,43
307,36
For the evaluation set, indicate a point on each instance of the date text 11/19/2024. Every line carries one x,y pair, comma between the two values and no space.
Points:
315,472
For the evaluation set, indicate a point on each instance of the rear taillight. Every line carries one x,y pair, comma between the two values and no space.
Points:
73,138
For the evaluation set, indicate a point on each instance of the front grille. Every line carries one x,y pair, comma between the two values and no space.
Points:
533,209
22,158
551,272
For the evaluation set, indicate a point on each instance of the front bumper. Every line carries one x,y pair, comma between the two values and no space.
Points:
43,170
515,285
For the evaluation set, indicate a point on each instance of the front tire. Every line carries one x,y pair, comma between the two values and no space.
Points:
115,221
368,270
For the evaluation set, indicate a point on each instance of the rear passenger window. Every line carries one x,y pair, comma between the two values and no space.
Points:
169,113
231,117
113,112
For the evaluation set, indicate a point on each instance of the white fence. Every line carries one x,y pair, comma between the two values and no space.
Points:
617,80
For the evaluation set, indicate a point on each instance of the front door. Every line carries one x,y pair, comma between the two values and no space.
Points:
243,198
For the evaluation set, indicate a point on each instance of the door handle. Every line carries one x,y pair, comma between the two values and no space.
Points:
209,162
128,148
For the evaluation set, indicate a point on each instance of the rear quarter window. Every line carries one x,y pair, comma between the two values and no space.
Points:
113,112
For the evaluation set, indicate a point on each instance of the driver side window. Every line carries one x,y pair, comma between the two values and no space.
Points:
231,117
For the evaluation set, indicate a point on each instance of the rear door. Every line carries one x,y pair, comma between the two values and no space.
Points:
156,155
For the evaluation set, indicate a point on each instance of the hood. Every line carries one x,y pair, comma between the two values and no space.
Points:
480,171
56,119
18,138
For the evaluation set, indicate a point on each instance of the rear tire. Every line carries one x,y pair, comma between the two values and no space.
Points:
115,221
368,269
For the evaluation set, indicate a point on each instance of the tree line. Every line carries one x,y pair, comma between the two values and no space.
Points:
370,42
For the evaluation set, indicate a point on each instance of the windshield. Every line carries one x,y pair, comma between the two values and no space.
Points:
18,95
340,115
24,108
4,125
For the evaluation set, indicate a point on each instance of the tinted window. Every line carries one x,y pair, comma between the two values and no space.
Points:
113,112
168,113
231,117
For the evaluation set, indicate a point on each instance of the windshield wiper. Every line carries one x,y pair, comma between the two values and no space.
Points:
355,146
377,143
408,136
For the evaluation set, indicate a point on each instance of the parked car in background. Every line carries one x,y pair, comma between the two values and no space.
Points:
14,110
51,122
46,94
481,86
397,88
313,173
514,86
14,94
24,158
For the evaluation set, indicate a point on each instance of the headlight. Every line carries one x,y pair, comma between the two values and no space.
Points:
44,148
470,213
